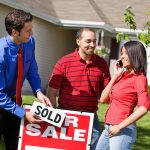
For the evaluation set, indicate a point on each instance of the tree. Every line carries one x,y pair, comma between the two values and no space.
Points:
128,18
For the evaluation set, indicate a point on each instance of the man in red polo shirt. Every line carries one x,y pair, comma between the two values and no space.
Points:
80,77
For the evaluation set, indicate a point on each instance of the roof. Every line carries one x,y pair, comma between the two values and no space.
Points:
106,14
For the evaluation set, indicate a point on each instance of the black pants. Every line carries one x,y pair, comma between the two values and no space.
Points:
9,129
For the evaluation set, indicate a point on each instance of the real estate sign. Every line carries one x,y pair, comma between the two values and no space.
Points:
74,133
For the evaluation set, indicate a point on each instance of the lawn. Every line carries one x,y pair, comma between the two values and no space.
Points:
143,125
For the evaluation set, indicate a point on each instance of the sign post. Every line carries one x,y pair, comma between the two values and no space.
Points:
74,133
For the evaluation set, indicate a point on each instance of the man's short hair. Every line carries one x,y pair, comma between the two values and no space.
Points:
16,20
79,32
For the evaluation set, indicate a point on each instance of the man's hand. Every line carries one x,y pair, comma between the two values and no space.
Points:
32,118
43,99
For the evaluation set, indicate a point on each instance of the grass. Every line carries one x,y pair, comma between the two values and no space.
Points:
143,126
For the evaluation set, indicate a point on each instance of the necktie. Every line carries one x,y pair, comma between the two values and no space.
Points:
19,77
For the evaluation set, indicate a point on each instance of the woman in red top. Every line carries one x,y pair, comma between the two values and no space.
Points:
126,90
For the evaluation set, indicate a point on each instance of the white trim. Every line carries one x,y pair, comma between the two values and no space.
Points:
94,24
131,31
80,23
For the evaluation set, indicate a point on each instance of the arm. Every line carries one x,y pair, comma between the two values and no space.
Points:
35,82
143,105
105,93
118,71
55,82
141,111
52,93
5,101
32,73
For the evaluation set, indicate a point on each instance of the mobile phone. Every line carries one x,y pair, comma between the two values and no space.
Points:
120,63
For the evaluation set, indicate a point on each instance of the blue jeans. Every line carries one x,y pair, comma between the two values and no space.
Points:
122,141
95,132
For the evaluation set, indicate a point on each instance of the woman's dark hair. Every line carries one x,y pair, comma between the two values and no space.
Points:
16,20
137,56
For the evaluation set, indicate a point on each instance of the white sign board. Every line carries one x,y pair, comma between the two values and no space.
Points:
48,114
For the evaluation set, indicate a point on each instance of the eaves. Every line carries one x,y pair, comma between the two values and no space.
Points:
70,23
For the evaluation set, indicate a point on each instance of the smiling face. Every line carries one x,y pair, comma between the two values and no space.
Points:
125,58
86,43
133,56
24,34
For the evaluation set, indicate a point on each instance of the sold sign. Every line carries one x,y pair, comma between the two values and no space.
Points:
48,114
74,133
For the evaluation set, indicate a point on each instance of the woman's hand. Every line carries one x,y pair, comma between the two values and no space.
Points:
118,71
113,130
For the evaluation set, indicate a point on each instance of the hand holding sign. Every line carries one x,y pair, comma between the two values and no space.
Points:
43,99
32,118
48,114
